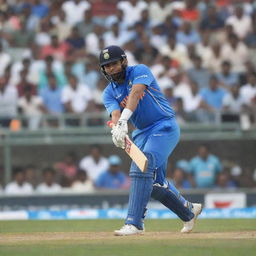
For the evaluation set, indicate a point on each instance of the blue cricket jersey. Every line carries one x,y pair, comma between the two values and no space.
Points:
152,107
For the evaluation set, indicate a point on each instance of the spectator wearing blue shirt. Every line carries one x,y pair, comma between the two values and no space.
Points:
204,168
113,178
212,21
227,78
179,179
51,96
199,74
211,102
187,35
39,9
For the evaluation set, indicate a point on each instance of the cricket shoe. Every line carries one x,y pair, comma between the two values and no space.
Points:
128,230
189,225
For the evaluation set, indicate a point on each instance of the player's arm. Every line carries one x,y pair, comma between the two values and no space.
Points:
115,115
134,96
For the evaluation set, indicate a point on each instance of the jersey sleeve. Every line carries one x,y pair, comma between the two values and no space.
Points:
142,75
110,102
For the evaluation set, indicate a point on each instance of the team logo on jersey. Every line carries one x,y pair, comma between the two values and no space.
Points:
130,83
106,56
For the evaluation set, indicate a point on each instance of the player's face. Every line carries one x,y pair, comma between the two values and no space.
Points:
113,67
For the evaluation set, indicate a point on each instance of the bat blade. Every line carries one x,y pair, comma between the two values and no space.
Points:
136,154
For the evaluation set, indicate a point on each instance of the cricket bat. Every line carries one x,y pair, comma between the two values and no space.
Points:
134,152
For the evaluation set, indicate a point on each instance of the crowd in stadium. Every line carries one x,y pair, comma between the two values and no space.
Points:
201,52
96,172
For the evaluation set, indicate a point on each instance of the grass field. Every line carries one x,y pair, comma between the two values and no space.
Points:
95,238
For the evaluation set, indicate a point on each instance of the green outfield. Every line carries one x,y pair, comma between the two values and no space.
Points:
95,238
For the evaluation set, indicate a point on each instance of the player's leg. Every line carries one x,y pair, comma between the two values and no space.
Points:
161,180
161,146
140,192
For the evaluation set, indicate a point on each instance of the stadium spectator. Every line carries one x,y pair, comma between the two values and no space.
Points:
88,23
19,185
198,73
94,40
32,107
211,22
51,66
187,35
113,177
226,77
211,101
176,51
82,183
59,50
75,40
224,182
31,174
132,10
22,37
159,11
51,96
75,10
77,99
233,105
95,163
43,35
115,36
23,83
204,168
145,53
66,169
189,13
91,75
39,9
179,179
8,103
236,52
241,22
62,27
48,186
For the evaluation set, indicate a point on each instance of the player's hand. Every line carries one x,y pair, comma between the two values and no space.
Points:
119,131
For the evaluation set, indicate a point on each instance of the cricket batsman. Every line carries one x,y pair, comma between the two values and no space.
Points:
133,95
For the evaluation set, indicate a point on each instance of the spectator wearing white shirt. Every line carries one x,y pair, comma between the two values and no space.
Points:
19,186
175,51
82,183
48,186
95,163
159,10
77,99
248,91
93,40
75,10
132,10
241,22
8,103
32,107
115,36
236,52
232,105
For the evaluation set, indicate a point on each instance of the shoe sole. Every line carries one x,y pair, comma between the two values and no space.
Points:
134,234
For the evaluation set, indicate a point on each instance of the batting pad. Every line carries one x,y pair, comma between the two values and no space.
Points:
172,202
140,192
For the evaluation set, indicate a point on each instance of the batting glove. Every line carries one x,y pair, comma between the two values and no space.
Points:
119,132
